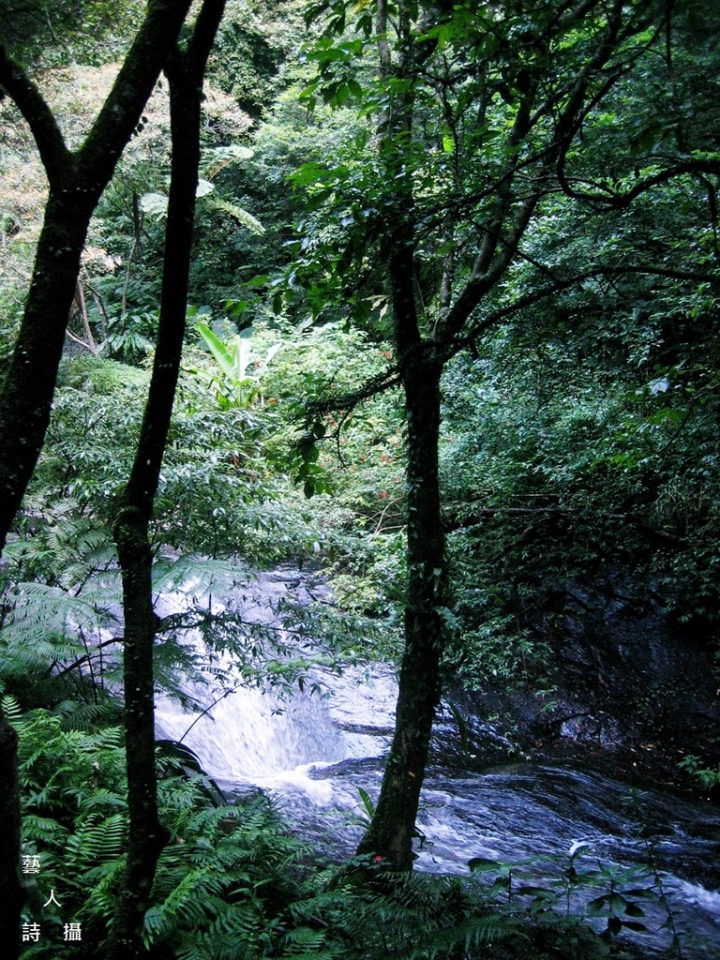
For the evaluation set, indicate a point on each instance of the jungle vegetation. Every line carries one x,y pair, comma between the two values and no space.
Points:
424,294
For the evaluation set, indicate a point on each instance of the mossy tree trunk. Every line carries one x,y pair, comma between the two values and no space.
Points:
393,825
185,70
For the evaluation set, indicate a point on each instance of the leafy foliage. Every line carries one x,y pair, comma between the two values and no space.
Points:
231,881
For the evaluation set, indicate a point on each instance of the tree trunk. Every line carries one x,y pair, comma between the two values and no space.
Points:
77,181
393,825
147,836
507,210
11,892
26,398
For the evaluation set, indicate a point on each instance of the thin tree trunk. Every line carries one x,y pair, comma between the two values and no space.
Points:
77,180
147,836
11,892
393,825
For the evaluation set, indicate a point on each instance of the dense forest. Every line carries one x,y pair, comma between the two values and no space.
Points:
416,302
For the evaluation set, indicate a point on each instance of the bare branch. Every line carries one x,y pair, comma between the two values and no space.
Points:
120,113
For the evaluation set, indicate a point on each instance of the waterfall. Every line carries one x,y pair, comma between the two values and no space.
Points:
256,737
312,752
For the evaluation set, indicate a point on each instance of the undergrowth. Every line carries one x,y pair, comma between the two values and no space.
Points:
234,884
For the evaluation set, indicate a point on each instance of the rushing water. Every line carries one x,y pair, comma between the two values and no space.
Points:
314,752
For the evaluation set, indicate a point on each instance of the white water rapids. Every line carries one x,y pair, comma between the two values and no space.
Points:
313,752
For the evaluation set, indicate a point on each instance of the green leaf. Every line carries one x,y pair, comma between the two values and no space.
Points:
633,910
462,726
229,364
154,204
598,906
204,188
367,802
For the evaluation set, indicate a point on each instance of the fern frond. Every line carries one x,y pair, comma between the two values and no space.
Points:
44,829
216,159
242,216
46,625
468,935
102,800
11,709
239,931
97,842
188,905
87,716
197,577
103,884
303,942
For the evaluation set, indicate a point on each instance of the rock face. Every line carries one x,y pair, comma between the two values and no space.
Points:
627,660
624,675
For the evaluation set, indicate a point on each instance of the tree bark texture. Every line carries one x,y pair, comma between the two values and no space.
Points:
11,892
393,825
147,836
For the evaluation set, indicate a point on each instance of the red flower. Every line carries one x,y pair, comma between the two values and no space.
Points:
378,859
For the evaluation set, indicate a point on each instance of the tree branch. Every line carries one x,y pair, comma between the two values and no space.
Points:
348,401
619,200
495,254
120,113
48,137
456,345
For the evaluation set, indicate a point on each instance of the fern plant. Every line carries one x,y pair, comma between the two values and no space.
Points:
222,881
232,883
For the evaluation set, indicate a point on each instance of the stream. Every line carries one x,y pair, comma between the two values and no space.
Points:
312,752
